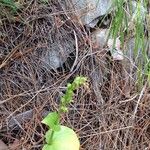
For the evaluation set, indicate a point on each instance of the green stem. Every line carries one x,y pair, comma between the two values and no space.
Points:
51,138
52,134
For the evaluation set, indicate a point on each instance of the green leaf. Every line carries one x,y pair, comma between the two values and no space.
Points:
69,86
62,100
48,136
64,109
64,139
47,147
79,81
52,120
68,96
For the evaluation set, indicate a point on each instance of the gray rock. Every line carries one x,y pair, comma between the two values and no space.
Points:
57,53
131,55
19,119
89,10
99,37
93,23
130,65
52,59
132,60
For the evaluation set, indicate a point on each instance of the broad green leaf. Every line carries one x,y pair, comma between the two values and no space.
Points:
47,147
51,120
48,136
64,139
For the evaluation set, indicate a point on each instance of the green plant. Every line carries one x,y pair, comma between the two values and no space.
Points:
147,72
60,137
10,4
129,18
9,9
44,1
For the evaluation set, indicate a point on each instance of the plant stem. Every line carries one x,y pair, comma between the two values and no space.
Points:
58,122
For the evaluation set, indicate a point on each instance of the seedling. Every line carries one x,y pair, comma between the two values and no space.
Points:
60,137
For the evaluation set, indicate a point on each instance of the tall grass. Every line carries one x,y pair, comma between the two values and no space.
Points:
129,21
9,3
8,8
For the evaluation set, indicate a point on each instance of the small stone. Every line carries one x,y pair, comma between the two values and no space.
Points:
115,50
117,54
19,119
99,37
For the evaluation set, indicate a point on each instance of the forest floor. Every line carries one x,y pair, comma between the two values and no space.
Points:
113,113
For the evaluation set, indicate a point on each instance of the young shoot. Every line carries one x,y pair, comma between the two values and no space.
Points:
60,137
